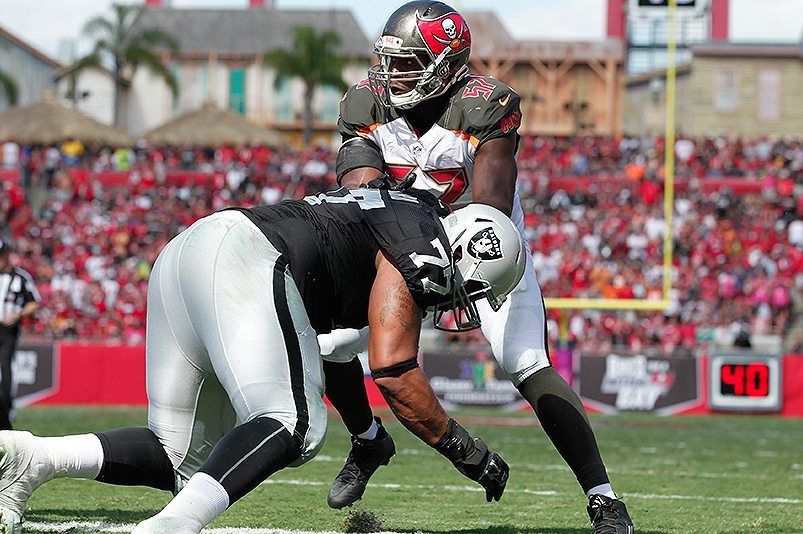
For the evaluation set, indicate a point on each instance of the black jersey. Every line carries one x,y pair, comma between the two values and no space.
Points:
331,240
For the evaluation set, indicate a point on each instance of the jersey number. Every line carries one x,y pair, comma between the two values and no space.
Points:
441,261
455,179
478,87
366,199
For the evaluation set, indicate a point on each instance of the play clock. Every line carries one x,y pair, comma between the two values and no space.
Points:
745,382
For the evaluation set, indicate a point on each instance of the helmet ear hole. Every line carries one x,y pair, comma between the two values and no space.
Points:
457,254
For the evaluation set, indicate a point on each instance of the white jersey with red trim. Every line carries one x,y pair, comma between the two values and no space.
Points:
442,159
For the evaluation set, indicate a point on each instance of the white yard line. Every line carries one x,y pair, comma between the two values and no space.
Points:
101,526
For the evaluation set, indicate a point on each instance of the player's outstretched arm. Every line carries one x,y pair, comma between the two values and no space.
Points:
395,325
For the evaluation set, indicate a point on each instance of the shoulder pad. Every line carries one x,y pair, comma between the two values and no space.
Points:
359,112
486,108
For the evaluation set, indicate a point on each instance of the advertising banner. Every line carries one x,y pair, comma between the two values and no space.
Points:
470,377
34,369
664,385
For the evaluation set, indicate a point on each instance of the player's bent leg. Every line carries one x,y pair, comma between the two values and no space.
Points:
372,446
188,409
243,458
518,336
345,388
345,385
564,419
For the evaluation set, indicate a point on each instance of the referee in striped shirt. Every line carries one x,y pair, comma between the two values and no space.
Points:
18,299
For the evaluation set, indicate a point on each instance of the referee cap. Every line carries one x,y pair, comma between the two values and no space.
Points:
5,246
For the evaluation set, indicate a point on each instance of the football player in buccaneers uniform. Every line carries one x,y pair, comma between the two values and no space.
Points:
420,121
234,306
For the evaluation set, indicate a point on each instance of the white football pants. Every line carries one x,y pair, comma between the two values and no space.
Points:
228,338
516,332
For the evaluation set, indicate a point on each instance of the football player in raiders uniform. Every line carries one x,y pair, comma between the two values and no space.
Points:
235,303
420,121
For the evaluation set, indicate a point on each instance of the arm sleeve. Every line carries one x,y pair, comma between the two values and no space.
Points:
358,152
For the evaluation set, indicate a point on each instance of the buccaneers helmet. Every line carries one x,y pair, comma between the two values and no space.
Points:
423,50
489,257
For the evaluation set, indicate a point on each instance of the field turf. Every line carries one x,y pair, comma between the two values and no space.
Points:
718,474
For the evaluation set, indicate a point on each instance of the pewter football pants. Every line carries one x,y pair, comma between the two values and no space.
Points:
228,338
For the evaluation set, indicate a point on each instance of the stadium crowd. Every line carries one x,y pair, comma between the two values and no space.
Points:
738,261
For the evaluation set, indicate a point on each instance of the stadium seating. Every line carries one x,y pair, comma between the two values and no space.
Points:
89,224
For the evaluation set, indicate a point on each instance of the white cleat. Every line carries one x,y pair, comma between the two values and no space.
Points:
167,524
24,466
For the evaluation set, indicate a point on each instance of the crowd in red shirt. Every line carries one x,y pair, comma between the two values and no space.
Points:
738,259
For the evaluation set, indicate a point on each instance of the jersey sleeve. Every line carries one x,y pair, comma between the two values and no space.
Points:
490,108
412,235
359,115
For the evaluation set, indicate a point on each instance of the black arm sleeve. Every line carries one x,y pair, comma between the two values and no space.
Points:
355,153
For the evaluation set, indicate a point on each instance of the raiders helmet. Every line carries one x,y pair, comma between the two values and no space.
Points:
423,50
489,258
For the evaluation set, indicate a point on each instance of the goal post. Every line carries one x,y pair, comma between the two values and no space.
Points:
669,202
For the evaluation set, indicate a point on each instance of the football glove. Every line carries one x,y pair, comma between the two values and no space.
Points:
390,183
472,457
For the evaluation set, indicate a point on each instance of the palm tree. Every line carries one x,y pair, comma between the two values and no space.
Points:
8,87
313,59
115,41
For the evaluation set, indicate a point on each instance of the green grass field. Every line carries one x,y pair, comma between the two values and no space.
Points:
723,474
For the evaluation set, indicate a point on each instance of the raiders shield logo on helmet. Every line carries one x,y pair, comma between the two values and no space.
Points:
485,245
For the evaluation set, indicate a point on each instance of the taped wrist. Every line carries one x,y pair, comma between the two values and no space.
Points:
469,455
397,369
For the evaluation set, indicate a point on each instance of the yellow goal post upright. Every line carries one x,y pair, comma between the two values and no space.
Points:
669,201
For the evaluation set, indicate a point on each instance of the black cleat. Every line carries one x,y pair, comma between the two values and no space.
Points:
364,459
609,516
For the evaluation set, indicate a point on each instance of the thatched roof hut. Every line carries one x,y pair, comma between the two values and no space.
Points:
48,122
211,126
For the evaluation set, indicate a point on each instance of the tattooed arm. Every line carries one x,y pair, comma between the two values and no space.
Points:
395,321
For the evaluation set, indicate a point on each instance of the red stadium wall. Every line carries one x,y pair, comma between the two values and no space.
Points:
88,373
99,374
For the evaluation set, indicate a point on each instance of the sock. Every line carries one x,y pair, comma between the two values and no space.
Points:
200,501
372,431
79,456
345,388
248,454
564,419
602,489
